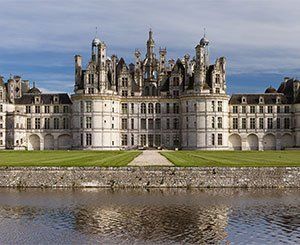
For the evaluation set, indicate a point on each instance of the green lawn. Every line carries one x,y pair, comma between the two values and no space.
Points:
233,158
67,158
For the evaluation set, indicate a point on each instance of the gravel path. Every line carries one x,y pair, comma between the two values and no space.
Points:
150,158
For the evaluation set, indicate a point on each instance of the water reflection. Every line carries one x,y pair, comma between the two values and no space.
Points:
169,216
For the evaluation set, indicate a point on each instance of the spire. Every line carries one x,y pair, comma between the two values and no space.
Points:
33,84
150,33
150,44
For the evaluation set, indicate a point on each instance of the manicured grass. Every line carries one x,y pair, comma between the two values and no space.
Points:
234,158
66,158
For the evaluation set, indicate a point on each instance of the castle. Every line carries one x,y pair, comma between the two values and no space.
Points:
153,103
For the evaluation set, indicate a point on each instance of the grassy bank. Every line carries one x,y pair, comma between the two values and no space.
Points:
234,158
67,158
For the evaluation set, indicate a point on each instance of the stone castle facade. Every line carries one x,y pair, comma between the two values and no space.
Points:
153,103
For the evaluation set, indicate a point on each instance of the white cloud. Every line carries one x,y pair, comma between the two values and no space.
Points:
254,35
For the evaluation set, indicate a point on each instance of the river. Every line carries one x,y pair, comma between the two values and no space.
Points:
155,216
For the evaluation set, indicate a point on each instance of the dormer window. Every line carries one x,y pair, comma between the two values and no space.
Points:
55,99
244,100
37,100
278,100
261,100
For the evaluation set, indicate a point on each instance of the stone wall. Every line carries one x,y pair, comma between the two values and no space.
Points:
149,177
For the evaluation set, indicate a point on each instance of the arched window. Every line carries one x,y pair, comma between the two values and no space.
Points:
143,108
150,108
157,108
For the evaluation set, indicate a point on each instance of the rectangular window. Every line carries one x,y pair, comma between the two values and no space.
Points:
168,108
252,123
88,122
220,106
235,123
278,109
158,140
124,108
168,123
47,123
270,123
261,123
143,123
88,139
287,123
132,107
65,123
81,139
286,109
278,123
213,106
213,122
261,109
176,123
37,123
66,109
157,123
37,109
124,123
124,139
56,109
124,93
143,140
28,123
132,123
150,123
90,90
270,109
244,123
175,93
220,139
28,109
81,106
56,123
243,109
47,109
213,139
252,109
220,122
175,108
235,109
132,139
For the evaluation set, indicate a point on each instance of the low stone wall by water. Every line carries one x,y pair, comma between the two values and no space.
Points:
149,177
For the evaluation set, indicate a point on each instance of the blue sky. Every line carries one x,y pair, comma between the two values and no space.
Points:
259,38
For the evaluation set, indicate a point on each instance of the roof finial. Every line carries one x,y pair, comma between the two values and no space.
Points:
96,31
150,33
33,84
204,32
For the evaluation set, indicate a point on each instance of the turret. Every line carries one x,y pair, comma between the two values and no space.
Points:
202,63
114,61
150,45
138,74
162,59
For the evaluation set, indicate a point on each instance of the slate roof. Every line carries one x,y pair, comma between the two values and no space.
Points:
254,99
45,99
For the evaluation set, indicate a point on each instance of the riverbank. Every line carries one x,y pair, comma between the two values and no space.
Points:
150,177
